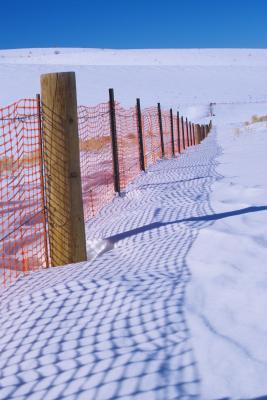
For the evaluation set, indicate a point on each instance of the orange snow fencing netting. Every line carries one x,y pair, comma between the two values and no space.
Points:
96,152
127,138
24,239
95,158
22,212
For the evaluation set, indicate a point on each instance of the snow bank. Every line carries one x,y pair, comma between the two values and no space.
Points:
226,299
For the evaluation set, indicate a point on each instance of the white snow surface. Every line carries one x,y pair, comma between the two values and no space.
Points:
175,77
172,304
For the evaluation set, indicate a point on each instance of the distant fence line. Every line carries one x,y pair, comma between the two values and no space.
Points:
42,172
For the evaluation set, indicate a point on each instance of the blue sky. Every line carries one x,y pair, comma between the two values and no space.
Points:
133,24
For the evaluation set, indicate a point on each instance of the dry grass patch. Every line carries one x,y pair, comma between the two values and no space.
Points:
255,119
94,144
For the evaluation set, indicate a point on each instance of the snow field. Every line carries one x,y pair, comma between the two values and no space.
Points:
172,304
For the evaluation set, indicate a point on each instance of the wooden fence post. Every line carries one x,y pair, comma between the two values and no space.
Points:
161,132
178,133
172,136
66,228
140,135
114,143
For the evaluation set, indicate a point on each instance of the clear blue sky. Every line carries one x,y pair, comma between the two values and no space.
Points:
133,23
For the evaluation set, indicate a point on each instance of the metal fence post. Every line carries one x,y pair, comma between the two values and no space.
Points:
178,133
161,131
182,123
187,132
172,136
140,135
193,134
114,143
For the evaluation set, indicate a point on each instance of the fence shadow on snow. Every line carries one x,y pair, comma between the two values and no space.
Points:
115,327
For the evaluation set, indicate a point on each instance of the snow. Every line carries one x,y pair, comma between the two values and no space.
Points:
175,77
181,57
172,304
227,299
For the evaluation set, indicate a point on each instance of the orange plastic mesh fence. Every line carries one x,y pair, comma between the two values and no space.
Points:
151,135
175,134
22,217
166,126
127,137
23,225
95,157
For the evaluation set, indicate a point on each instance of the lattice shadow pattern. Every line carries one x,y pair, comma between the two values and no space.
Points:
115,328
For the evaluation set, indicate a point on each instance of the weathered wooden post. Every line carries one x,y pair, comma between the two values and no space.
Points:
62,168
140,136
161,131
172,135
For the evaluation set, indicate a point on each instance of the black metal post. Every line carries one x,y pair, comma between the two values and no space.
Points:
161,131
114,142
172,136
187,133
193,134
178,133
140,136
190,134
202,132
182,122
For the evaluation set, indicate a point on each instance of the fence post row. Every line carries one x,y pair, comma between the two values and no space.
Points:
61,154
114,142
61,175
172,135
140,135
161,131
